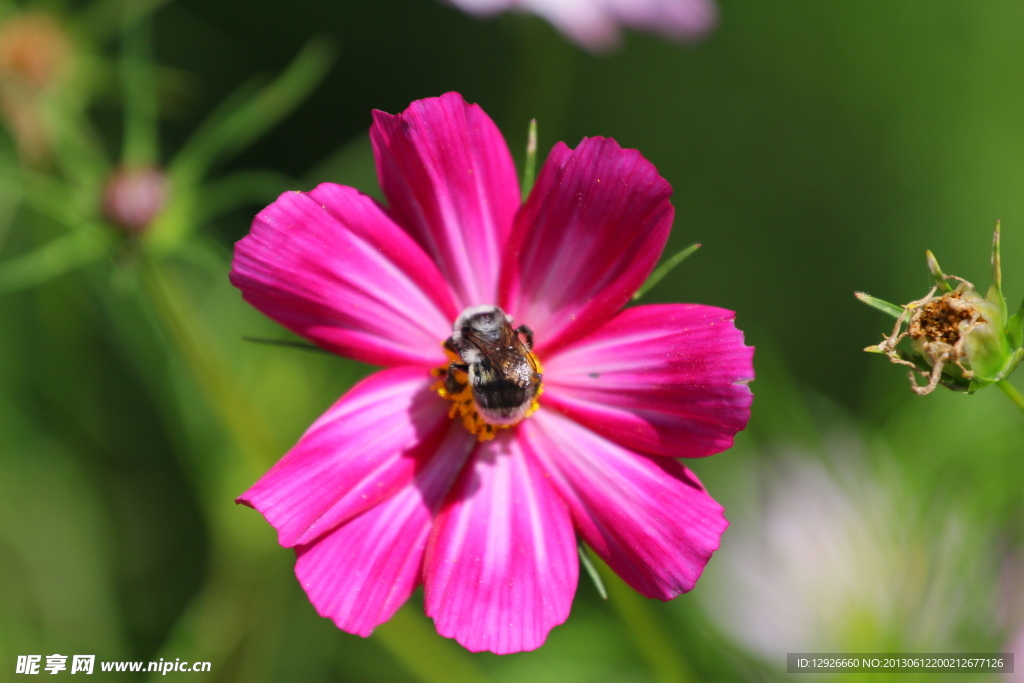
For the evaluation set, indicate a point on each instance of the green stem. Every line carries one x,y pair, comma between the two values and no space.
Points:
141,145
1012,392
644,630
216,622
185,332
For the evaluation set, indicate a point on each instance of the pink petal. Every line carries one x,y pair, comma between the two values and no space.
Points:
362,450
331,266
501,564
679,19
594,24
586,239
363,571
647,517
449,179
664,379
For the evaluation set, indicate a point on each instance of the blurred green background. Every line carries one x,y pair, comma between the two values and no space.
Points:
814,148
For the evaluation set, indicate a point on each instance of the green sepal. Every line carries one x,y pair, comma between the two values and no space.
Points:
995,290
1011,364
879,305
936,271
1015,329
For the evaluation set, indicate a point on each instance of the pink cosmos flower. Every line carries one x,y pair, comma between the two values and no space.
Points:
386,491
594,24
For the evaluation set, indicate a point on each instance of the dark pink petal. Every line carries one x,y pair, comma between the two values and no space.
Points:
665,379
331,266
363,571
501,564
647,517
366,447
449,179
586,239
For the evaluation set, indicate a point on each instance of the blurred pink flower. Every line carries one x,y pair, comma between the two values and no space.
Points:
386,491
594,24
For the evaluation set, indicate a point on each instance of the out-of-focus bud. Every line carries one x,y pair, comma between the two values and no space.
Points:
34,50
134,197
958,338
35,57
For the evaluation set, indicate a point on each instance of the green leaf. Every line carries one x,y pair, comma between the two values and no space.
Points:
54,258
591,569
250,112
530,166
304,346
879,305
664,269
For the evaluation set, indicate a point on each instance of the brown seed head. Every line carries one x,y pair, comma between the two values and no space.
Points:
944,319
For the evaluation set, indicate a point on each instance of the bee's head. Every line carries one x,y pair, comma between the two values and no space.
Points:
478,322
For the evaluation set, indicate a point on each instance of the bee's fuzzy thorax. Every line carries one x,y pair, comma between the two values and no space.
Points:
493,379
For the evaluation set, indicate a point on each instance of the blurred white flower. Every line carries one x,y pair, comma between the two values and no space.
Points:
835,560
1011,613
595,24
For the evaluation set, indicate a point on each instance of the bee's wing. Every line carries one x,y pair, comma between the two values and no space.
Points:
504,354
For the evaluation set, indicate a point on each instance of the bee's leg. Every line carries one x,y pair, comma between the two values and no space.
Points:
527,335
449,345
451,384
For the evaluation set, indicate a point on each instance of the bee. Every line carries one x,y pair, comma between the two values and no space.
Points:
502,374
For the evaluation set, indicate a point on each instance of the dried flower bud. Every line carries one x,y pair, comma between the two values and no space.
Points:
958,338
133,197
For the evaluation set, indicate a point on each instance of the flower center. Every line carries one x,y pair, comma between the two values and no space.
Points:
946,319
494,391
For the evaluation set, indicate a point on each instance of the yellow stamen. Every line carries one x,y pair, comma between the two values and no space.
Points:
462,402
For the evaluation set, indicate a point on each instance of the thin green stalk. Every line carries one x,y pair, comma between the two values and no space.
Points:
180,321
644,630
588,566
530,165
664,269
251,112
1012,392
